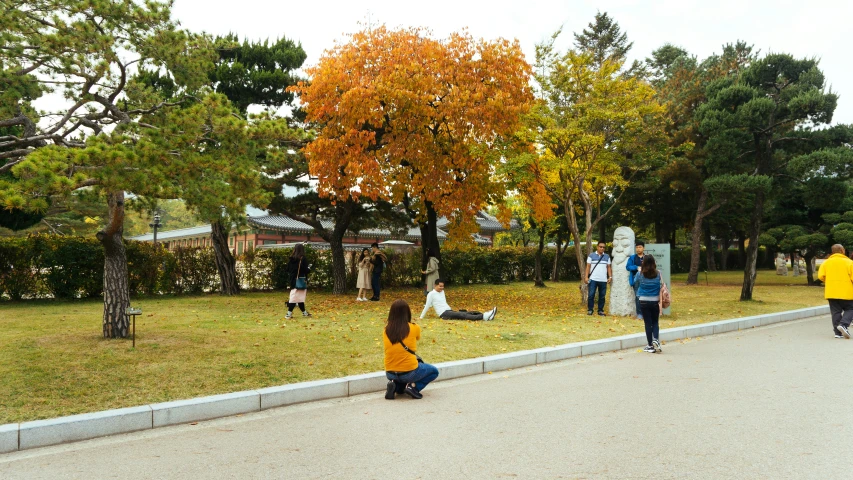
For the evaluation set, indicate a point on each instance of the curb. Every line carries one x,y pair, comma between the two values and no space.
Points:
41,433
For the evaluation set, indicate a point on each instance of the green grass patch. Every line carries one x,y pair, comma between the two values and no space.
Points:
54,362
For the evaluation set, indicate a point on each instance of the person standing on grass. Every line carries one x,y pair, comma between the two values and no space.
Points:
363,282
598,274
438,302
836,273
649,284
404,369
633,265
431,271
298,270
378,261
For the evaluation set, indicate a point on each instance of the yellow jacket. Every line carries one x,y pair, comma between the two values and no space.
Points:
836,272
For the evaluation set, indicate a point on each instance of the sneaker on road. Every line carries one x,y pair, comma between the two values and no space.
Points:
413,392
656,346
390,390
843,330
649,349
839,336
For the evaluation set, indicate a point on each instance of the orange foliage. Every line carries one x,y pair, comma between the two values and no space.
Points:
403,115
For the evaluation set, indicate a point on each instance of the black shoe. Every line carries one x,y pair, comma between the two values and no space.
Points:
400,387
389,390
374,299
843,330
413,392
602,314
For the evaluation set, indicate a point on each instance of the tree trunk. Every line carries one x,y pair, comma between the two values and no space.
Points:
809,258
724,252
569,208
710,251
339,265
695,249
116,290
537,277
226,264
741,249
555,270
749,269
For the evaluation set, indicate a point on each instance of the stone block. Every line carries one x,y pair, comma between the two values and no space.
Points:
771,318
726,326
367,383
9,437
749,322
303,392
672,334
41,433
506,361
560,352
205,408
593,347
635,340
693,331
459,368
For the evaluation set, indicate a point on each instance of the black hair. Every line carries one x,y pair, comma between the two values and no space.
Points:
601,243
437,281
298,251
639,243
364,252
431,252
374,245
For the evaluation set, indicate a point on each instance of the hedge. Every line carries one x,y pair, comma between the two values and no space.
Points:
47,266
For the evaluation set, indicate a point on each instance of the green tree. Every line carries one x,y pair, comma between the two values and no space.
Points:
751,119
86,52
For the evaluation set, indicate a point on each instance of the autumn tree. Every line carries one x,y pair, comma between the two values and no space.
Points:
591,126
415,120
86,52
751,121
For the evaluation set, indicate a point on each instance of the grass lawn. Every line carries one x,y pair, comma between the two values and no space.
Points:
54,362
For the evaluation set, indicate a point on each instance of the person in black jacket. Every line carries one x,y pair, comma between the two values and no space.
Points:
297,268
378,260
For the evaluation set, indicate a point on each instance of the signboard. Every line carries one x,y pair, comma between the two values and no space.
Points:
662,258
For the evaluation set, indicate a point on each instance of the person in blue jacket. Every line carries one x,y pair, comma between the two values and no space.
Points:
649,281
633,265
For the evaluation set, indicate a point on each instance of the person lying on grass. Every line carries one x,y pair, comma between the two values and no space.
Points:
438,302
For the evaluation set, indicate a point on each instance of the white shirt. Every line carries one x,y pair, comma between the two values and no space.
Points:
437,301
599,274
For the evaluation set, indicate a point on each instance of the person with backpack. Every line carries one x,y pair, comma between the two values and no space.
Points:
405,370
378,260
298,270
650,289
599,273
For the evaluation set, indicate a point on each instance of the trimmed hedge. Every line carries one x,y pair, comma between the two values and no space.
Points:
46,266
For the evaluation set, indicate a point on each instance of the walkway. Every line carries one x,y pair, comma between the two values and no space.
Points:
766,403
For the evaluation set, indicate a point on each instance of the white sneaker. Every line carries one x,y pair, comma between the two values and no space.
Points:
289,315
656,346
649,349
494,312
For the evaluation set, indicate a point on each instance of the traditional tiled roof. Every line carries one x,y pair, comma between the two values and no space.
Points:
487,223
287,224
166,235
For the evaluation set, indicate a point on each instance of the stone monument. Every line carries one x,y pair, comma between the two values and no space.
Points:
781,265
621,292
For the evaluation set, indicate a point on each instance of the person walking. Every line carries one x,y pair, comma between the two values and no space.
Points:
298,270
633,265
363,281
404,369
378,260
836,272
438,302
649,284
431,271
598,274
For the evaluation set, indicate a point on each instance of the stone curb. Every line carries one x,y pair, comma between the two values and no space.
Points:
39,433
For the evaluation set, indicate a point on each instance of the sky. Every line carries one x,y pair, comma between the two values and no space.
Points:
804,29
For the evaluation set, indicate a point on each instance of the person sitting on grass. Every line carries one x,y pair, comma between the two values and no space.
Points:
438,302
404,369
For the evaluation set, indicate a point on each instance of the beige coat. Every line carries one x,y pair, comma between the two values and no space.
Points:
364,268
431,272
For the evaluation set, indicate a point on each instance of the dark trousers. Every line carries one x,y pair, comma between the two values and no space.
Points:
374,284
651,317
637,298
842,313
454,315
602,292
291,306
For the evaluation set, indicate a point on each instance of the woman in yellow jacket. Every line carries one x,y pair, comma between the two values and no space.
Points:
403,367
836,272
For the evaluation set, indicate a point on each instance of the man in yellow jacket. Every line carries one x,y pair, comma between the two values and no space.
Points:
836,272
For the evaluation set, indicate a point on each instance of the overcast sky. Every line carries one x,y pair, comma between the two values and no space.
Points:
804,29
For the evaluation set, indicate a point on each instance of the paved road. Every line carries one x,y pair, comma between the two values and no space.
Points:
765,403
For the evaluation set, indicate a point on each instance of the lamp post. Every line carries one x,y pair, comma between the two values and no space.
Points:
155,226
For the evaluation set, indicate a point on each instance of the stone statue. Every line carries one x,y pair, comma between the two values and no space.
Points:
781,265
621,292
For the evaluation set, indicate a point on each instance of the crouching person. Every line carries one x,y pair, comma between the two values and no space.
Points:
438,302
405,370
